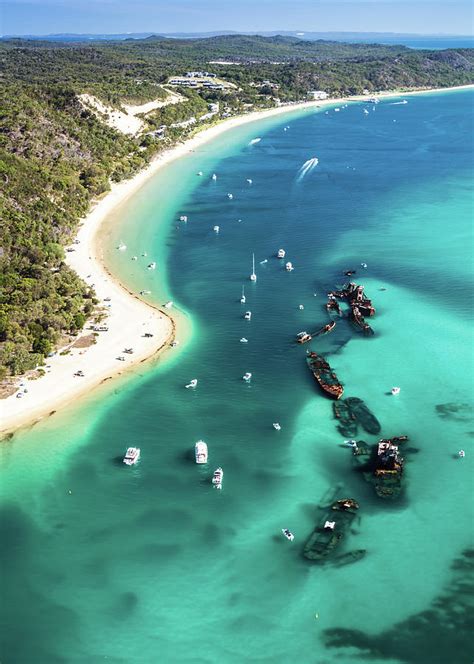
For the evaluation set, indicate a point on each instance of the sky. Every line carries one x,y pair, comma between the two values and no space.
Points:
118,16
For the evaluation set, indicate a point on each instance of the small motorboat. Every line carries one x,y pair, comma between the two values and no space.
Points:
199,173
152,266
288,534
169,304
248,315
281,253
200,452
183,217
242,297
144,253
301,307
247,376
122,246
289,267
216,229
249,180
395,390
192,383
230,196
461,454
145,292
217,478
253,276
214,176
244,340
134,258
132,456
277,426
366,111
174,343
364,265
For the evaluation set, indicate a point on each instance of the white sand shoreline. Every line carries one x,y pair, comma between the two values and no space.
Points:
129,316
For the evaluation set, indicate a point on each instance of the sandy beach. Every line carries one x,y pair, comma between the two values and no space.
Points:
129,318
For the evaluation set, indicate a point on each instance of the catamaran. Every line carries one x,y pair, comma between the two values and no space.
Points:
253,276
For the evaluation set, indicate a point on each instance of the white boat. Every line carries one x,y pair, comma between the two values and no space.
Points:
145,292
242,297
122,246
336,110
289,267
366,111
134,258
199,173
183,217
216,229
350,443
174,343
192,383
214,176
169,304
277,426
281,253
249,180
461,454
131,456
217,478
248,315
253,276
364,265
144,254
288,534
231,196
244,340
200,452
152,266
395,390
247,376
301,306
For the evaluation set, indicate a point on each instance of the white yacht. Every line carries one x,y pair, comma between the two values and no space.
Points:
131,456
216,229
253,276
217,478
288,534
122,246
281,253
192,383
248,315
214,176
395,390
200,452
183,217
244,340
152,266
169,304
242,297
289,267
277,426
247,376
230,196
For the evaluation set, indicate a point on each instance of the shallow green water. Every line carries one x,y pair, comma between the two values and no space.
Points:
150,563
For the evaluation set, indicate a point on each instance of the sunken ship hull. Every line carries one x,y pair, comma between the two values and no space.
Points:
327,536
325,376
381,465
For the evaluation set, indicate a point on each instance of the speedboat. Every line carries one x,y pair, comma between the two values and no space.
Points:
248,315
277,426
192,383
122,246
281,253
395,390
230,196
289,266
216,229
131,456
169,304
288,534
247,376
183,217
217,478
214,176
200,452
244,340
301,307
253,276
242,297
461,454
152,266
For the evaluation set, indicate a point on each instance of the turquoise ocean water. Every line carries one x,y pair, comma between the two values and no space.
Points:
149,564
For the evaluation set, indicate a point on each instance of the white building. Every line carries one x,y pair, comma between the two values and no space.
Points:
317,94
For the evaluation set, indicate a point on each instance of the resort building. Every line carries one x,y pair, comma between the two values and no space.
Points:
317,94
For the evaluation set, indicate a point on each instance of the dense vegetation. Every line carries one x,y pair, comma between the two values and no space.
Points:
55,155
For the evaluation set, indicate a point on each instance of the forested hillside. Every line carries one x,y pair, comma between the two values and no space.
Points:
56,155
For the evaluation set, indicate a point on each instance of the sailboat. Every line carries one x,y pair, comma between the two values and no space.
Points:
242,299
253,276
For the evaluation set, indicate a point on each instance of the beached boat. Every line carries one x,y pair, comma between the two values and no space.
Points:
325,376
200,452
253,276
327,328
363,415
217,478
303,337
346,422
381,465
329,532
132,456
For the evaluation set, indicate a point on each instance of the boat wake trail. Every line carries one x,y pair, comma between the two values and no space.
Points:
307,168
254,141
396,103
